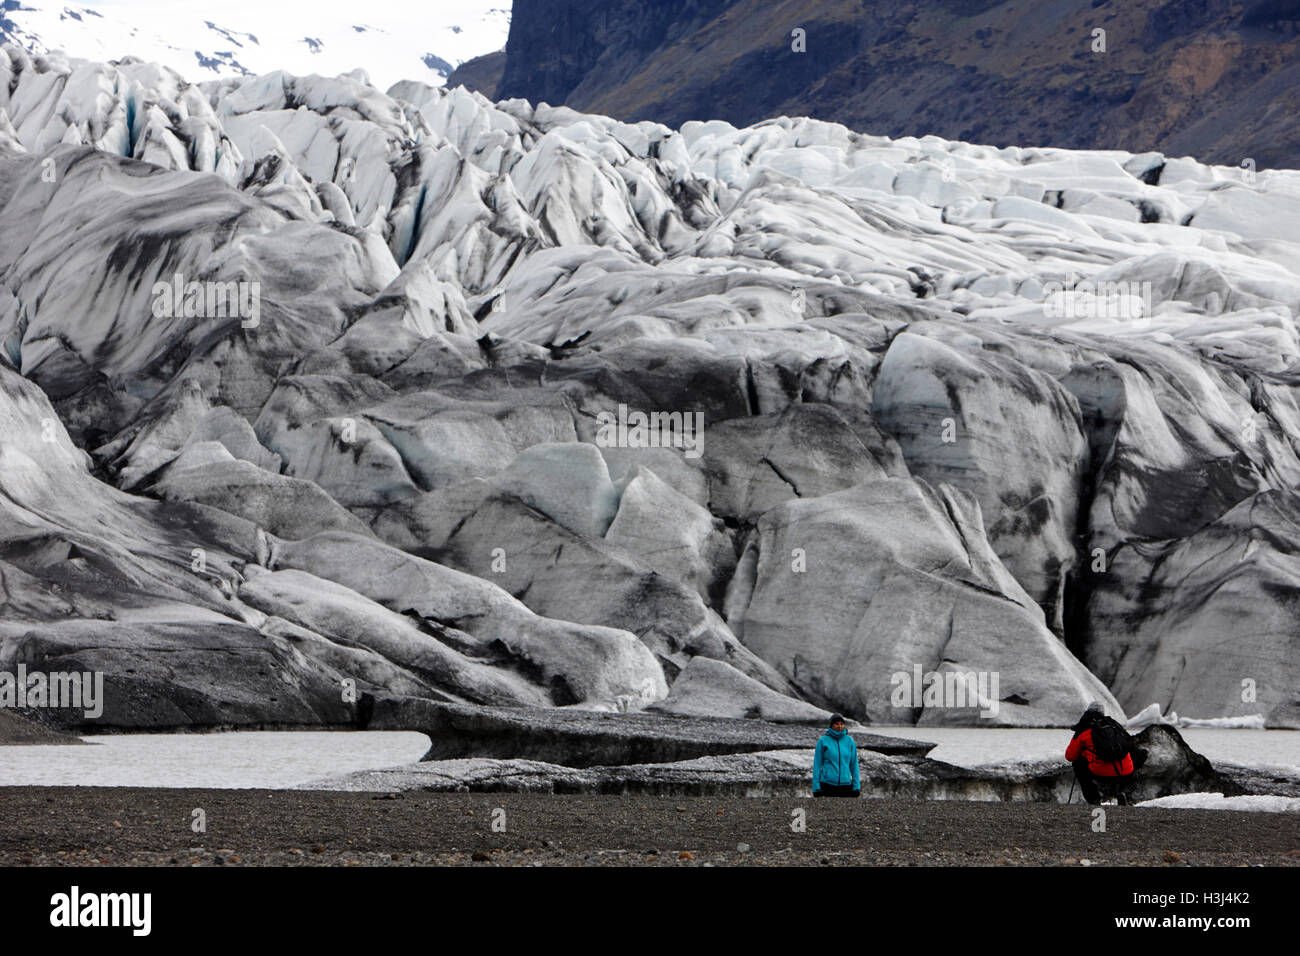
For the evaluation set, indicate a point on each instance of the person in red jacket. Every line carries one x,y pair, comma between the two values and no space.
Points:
1090,769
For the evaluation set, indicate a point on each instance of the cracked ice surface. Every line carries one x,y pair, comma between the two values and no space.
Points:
1021,411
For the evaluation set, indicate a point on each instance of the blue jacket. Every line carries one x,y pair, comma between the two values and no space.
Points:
835,760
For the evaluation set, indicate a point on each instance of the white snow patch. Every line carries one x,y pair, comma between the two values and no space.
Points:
1217,801
1251,722
1151,715
390,40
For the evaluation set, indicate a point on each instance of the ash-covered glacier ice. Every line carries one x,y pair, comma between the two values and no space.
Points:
1022,411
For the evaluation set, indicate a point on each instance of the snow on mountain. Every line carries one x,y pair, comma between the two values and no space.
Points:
390,40
538,406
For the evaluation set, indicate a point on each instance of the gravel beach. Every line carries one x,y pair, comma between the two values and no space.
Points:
80,826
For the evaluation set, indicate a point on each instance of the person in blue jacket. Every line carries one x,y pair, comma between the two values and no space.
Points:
835,763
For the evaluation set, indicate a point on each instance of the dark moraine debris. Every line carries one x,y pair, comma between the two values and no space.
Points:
1172,767
17,730
497,750
770,773
579,738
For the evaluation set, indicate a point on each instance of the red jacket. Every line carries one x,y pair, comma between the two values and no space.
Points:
1081,746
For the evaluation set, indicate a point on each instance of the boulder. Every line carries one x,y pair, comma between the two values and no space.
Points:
1174,767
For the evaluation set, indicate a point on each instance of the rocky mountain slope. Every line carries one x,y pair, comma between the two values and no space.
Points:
505,405
1212,79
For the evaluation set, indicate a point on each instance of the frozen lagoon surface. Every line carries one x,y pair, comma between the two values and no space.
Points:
972,746
279,759
237,760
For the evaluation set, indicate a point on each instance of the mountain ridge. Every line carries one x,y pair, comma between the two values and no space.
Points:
1205,78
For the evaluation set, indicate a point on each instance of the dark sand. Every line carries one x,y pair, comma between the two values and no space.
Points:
81,826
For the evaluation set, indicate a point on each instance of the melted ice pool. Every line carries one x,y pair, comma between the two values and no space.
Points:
252,759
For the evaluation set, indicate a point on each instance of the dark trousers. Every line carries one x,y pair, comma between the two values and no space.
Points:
1095,788
835,790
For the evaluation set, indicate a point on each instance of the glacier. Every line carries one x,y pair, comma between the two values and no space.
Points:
1026,411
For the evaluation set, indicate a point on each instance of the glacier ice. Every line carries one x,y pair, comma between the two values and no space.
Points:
1027,410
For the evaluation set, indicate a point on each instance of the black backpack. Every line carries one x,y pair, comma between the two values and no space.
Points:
1110,741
